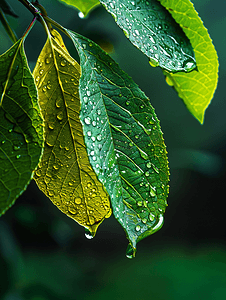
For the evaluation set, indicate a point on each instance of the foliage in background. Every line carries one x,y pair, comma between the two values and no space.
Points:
109,145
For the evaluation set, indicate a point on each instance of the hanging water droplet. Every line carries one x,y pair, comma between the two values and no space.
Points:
81,15
88,234
130,251
169,81
153,62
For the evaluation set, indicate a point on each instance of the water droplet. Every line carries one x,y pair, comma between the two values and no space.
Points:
112,5
3,142
10,130
153,62
72,210
130,251
138,228
88,234
60,116
127,102
99,137
149,164
87,120
37,78
63,63
147,173
78,200
89,133
81,15
152,192
44,88
151,217
139,203
18,156
16,148
89,184
169,81
41,71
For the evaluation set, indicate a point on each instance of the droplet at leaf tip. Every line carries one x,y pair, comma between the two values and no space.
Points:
130,251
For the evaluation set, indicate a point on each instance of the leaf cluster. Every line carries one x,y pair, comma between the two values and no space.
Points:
85,131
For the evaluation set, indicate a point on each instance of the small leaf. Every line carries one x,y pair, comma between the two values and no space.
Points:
196,88
65,174
124,142
151,28
21,125
85,6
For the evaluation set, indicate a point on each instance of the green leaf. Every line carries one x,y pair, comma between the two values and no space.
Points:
85,6
151,28
124,142
21,125
196,88
64,173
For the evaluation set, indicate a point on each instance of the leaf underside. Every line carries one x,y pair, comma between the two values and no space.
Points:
65,174
151,28
21,125
124,141
84,6
196,88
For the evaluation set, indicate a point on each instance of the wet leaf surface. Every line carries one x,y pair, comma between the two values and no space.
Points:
21,125
196,88
124,142
65,174
151,28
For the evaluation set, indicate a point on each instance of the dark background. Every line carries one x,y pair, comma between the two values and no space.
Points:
44,255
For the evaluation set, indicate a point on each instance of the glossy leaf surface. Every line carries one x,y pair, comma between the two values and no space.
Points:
21,125
151,28
195,88
85,6
65,174
124,142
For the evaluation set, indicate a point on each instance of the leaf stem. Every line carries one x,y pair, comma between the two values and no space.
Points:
30,7
7,27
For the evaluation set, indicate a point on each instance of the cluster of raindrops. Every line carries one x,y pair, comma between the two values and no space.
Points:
151,28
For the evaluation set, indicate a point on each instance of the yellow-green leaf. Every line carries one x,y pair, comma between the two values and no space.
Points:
65,174
85,6
196,88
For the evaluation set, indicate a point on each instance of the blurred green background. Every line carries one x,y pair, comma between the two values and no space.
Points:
44,255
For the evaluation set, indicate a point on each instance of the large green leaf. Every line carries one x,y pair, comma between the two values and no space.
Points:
64,173
195,88
21,125
151,28
124,142
85,6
